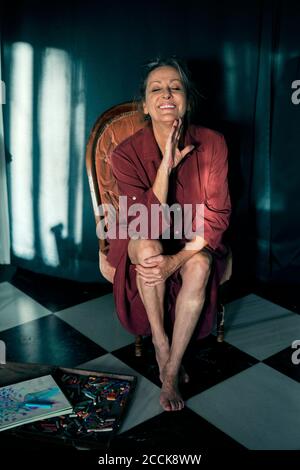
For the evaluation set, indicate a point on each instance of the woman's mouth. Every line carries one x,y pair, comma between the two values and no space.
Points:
167,106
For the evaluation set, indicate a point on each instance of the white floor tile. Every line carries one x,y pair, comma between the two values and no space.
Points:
260,408
98,320
259,327
17,308
145,401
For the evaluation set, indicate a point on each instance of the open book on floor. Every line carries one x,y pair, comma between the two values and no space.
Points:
31,400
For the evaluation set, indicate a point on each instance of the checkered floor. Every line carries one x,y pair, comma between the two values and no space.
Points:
243,394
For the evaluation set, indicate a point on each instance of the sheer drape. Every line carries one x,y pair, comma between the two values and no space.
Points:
4,218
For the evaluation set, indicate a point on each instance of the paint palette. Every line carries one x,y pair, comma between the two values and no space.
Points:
99,402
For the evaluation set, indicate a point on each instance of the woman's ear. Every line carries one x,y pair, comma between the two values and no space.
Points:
145,109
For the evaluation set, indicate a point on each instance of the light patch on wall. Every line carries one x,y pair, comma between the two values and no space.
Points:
20,102
54,111
79,147
47,144
230,84
263,204
2,92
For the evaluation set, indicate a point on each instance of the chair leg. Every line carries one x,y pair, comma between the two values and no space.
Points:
138,346
220,323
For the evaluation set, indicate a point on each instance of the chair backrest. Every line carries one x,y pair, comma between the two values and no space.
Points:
110,129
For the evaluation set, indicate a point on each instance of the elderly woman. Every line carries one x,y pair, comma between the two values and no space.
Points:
167,287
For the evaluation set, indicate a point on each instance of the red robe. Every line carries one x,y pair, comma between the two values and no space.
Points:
201,177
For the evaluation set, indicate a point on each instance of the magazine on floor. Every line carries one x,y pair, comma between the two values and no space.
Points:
31,400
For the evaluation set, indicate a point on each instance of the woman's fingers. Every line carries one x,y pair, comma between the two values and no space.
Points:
186,150
147,269
149,263
149,280
171,150
153,259
154,283
173,131
177,130
149,277
153,273
179,127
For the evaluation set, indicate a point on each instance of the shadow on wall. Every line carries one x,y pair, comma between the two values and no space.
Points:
67,250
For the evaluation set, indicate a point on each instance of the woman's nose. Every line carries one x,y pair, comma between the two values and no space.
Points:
167,93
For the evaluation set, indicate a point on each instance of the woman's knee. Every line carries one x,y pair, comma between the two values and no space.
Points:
196,270
139,250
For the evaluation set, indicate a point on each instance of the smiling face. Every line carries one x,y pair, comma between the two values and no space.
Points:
165,97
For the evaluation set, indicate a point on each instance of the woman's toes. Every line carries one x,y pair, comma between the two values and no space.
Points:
170,398
165,403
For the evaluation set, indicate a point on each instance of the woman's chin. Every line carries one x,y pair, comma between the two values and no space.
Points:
167,119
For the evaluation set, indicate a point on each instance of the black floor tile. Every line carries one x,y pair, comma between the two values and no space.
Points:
57,294
7,272
181,431
49,340
284,362
146,364
285,295
207,363
235,289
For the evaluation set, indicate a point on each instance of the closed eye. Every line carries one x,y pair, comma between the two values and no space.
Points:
173,88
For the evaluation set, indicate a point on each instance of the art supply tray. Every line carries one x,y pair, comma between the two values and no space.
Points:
99,400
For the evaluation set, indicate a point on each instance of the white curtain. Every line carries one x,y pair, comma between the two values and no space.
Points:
4,219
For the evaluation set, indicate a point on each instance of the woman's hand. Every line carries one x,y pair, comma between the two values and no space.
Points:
173,155
156,269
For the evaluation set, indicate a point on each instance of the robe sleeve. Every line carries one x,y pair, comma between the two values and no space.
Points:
217,204
130,185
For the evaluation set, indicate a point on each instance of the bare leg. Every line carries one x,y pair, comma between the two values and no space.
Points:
152,298
189,304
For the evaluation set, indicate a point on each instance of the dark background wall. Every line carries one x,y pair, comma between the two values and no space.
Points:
244,57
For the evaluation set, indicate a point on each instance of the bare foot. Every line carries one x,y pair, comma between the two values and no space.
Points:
162,352
183,376
170,398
